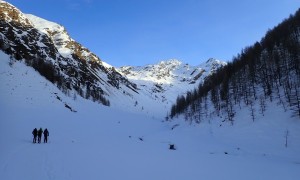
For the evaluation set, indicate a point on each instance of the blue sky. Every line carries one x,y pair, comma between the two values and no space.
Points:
140,32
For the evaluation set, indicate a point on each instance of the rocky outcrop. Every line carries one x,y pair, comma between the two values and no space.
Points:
48,48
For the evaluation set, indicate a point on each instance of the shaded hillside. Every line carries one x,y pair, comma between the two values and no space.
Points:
47,47
264,72
75,70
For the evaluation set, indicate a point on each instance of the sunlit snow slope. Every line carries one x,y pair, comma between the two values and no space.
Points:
97,142
163,82
48,47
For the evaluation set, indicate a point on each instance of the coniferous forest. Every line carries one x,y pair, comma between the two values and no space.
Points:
267,71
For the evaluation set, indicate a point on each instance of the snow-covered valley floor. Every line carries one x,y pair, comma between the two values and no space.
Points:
98,142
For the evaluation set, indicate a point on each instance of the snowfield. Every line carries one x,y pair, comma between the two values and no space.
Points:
99,142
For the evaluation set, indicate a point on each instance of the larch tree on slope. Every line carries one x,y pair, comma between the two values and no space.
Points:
265,71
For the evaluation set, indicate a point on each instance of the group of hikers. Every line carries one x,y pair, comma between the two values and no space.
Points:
38,134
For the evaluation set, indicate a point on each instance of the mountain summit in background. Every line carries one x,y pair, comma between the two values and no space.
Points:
48,48
229,121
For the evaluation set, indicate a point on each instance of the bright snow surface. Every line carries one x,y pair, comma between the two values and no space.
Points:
98,142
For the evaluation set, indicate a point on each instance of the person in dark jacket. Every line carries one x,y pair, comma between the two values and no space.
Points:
46,134
34,133
40,132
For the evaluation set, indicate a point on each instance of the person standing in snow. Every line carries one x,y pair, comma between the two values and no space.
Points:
34,133
46,134
40,132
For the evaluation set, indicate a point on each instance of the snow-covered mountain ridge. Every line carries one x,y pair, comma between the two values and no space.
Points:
167,72
65,45
166,80
47,47
91,141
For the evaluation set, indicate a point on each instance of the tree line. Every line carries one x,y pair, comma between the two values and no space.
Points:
266,71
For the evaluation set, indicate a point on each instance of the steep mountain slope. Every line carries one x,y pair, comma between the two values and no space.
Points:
47,47
88,141
264,73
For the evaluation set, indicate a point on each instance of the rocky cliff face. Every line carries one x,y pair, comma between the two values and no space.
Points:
168,79
47,47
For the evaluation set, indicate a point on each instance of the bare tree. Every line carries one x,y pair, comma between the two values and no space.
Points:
286,135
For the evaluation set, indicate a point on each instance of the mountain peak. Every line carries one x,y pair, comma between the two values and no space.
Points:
43,25
211,60
48,48
214,64
175,62
10,13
